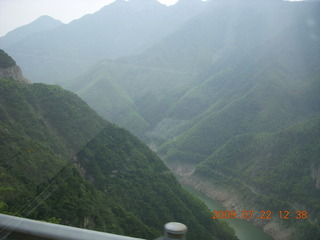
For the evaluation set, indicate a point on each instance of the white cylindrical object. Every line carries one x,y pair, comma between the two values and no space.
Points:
175,230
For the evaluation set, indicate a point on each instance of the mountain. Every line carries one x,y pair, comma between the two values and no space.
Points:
9,68
40,24
113,90
276,87
60,162
190,70
118,29
275,170
226,93
239,71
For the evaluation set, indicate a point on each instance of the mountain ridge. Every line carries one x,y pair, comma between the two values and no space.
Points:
247,74
231,79
40,24
118,29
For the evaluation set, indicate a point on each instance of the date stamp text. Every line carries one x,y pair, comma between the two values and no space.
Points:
265,214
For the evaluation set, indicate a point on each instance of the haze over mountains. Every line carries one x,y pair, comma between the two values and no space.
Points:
119,29
61,162
226,93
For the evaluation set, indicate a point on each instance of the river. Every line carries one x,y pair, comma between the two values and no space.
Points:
243,229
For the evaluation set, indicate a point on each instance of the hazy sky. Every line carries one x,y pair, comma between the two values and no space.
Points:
15,13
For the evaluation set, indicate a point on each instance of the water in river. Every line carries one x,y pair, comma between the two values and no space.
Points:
244,230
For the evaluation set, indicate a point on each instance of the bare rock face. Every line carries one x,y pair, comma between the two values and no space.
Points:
13,72
9,68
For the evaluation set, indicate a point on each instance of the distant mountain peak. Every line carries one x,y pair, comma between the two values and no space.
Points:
44,22
40,24
46,18
140,3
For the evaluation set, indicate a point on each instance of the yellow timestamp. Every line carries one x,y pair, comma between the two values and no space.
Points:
264,214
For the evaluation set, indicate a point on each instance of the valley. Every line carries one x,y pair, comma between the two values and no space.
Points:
226,94
62,163
243,229
220,197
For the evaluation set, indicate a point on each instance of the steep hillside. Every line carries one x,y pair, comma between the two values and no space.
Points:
229,93
115,91
266,89
197,72
273,171
232,72
143,190
5,60
61,162
267,106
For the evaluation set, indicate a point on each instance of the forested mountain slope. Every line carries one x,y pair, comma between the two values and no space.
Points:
238,78
274,171
238,70
268,88
61,162
210,63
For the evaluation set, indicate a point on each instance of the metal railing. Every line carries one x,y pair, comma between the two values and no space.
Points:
12,228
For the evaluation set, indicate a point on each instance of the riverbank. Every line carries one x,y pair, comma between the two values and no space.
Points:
244,230
230,200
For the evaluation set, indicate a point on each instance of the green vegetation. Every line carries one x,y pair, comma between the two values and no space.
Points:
5,60
40,127
232,92
272,162
222,92
282,168
121,166
60,162
48,114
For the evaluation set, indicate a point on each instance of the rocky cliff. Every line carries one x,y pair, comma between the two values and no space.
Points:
13,72
9,68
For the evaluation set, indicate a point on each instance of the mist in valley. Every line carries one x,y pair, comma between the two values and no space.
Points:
226,93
